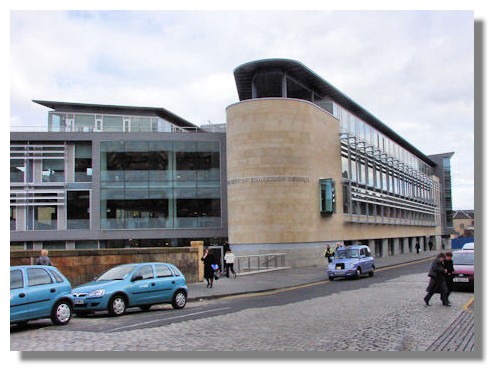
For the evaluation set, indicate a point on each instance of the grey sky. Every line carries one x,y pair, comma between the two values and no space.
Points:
413,70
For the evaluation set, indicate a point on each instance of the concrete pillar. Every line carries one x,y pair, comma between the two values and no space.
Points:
199,245
372,246
384,247
396,246
405,245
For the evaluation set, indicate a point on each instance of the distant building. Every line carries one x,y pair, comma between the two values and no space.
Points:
464,223
297,165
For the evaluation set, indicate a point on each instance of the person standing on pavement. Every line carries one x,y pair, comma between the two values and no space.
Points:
44,258
449,276
418,247
209,273
329,254
229,259
437,284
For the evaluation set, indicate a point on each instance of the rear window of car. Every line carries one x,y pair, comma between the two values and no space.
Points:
38,277
163,271
56,276
16,279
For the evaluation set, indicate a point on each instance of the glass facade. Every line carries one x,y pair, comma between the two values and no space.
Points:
78,122
160,184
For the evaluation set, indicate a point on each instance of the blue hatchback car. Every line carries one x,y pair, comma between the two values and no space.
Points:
132,285
38,292
351,261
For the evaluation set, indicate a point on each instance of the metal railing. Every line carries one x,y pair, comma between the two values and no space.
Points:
263,262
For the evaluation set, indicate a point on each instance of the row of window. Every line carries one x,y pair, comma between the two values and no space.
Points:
73,122
36,277
359,170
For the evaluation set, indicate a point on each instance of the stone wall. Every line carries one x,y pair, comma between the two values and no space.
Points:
81,266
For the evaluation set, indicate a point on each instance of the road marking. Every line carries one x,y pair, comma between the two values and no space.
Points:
466,307
163,319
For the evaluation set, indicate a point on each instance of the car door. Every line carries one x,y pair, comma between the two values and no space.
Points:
142,286
41,292
18,296
364,262
369,260
166,282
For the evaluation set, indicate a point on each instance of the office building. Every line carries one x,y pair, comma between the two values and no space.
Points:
297,165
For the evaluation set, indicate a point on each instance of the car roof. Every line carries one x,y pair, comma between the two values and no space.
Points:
353,247
32,266
463,251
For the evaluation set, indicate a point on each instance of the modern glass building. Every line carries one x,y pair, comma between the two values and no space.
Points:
114,176
298,164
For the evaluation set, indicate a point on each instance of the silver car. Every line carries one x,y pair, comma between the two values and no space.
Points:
351,261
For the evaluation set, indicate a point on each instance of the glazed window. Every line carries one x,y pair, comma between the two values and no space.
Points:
327,196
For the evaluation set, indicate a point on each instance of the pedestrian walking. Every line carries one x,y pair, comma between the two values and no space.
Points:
437,284
449,274
44,258
418,247
430,245
209,271
229,263
329,254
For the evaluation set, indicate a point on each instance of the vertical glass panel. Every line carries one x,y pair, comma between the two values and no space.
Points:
45,217
78,210
83,162
84,123
140,124
344,167
370,176
53,170
112,123
296,90
268,84
17,170
327,196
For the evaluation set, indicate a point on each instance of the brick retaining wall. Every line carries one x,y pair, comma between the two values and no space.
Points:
82,265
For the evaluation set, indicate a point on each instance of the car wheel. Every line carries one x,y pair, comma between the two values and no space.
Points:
331,278
179,299
117,305
146,307
371,273
61,313
358,273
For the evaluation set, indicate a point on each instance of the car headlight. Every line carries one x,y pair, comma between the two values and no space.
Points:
96,293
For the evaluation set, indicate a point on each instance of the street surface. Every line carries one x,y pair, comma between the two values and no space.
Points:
383,313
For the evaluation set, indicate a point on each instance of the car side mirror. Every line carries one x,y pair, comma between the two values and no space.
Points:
137,278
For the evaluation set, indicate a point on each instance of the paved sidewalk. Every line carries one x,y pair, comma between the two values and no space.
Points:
272,280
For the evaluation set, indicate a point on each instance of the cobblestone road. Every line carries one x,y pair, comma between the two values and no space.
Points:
388,316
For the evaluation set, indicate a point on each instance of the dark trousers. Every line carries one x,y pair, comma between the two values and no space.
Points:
437,286
231,267
449,283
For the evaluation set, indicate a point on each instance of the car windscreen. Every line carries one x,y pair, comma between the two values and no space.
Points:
463,258
346,253
118,272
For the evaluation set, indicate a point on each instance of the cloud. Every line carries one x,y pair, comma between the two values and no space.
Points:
411,69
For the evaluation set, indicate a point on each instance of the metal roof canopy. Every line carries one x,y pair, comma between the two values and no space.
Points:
244,74
125,110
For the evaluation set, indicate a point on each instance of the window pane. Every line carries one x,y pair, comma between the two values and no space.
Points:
38,277
163,271
16,279
78,210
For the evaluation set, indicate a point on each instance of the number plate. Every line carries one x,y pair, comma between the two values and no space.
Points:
459,279
79,301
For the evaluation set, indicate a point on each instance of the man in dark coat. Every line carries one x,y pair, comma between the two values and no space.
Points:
437,284
449,274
